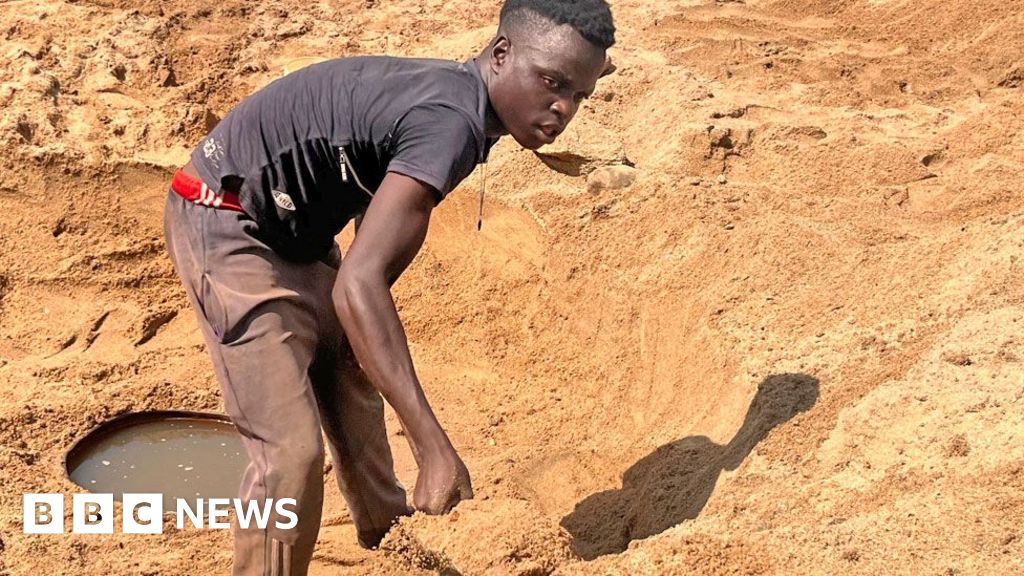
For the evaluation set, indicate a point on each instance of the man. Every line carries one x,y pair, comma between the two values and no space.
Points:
300,342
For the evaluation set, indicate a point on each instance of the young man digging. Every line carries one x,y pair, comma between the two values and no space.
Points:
299,340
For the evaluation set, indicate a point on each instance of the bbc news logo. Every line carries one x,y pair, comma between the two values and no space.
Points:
144,513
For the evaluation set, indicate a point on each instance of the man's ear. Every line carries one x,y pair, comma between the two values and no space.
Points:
608,67
500,49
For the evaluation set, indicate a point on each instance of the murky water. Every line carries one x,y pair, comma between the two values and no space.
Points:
179,457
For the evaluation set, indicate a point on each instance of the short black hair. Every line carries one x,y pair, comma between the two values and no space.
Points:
592,19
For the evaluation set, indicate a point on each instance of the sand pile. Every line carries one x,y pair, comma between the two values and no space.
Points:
495,537
784,338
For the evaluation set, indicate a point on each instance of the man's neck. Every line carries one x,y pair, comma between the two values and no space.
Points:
493,127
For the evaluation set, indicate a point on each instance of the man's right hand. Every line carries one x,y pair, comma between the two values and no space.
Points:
442,483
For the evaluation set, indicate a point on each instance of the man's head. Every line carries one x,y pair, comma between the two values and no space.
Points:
544,60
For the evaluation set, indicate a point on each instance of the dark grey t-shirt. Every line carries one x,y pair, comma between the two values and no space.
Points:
312,147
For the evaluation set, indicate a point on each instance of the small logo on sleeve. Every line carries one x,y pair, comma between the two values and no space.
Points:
213,151
283,200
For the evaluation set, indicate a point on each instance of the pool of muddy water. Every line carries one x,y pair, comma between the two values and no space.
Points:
180,456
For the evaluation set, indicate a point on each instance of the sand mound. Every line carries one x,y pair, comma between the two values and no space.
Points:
782,338
494,537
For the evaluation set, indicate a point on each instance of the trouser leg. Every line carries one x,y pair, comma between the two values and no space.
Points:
352,414
267,393
258,316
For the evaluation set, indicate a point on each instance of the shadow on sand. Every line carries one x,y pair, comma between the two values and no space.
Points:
674,482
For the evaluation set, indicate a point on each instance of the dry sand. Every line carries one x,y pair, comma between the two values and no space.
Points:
792,346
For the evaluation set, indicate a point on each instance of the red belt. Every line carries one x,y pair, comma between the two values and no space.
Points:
196,191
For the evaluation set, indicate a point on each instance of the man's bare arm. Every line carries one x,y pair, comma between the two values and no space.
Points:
389,236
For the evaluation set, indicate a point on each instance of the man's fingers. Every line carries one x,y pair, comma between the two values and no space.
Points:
445,506
439,505
466,492
452,502
463,492
434,497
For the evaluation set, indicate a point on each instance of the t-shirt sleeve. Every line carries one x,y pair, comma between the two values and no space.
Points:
435,145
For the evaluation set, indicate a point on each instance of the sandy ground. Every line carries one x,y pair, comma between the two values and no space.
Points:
792,346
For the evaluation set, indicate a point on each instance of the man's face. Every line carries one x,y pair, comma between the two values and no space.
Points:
540,81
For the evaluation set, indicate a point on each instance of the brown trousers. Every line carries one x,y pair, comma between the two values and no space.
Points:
286,371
